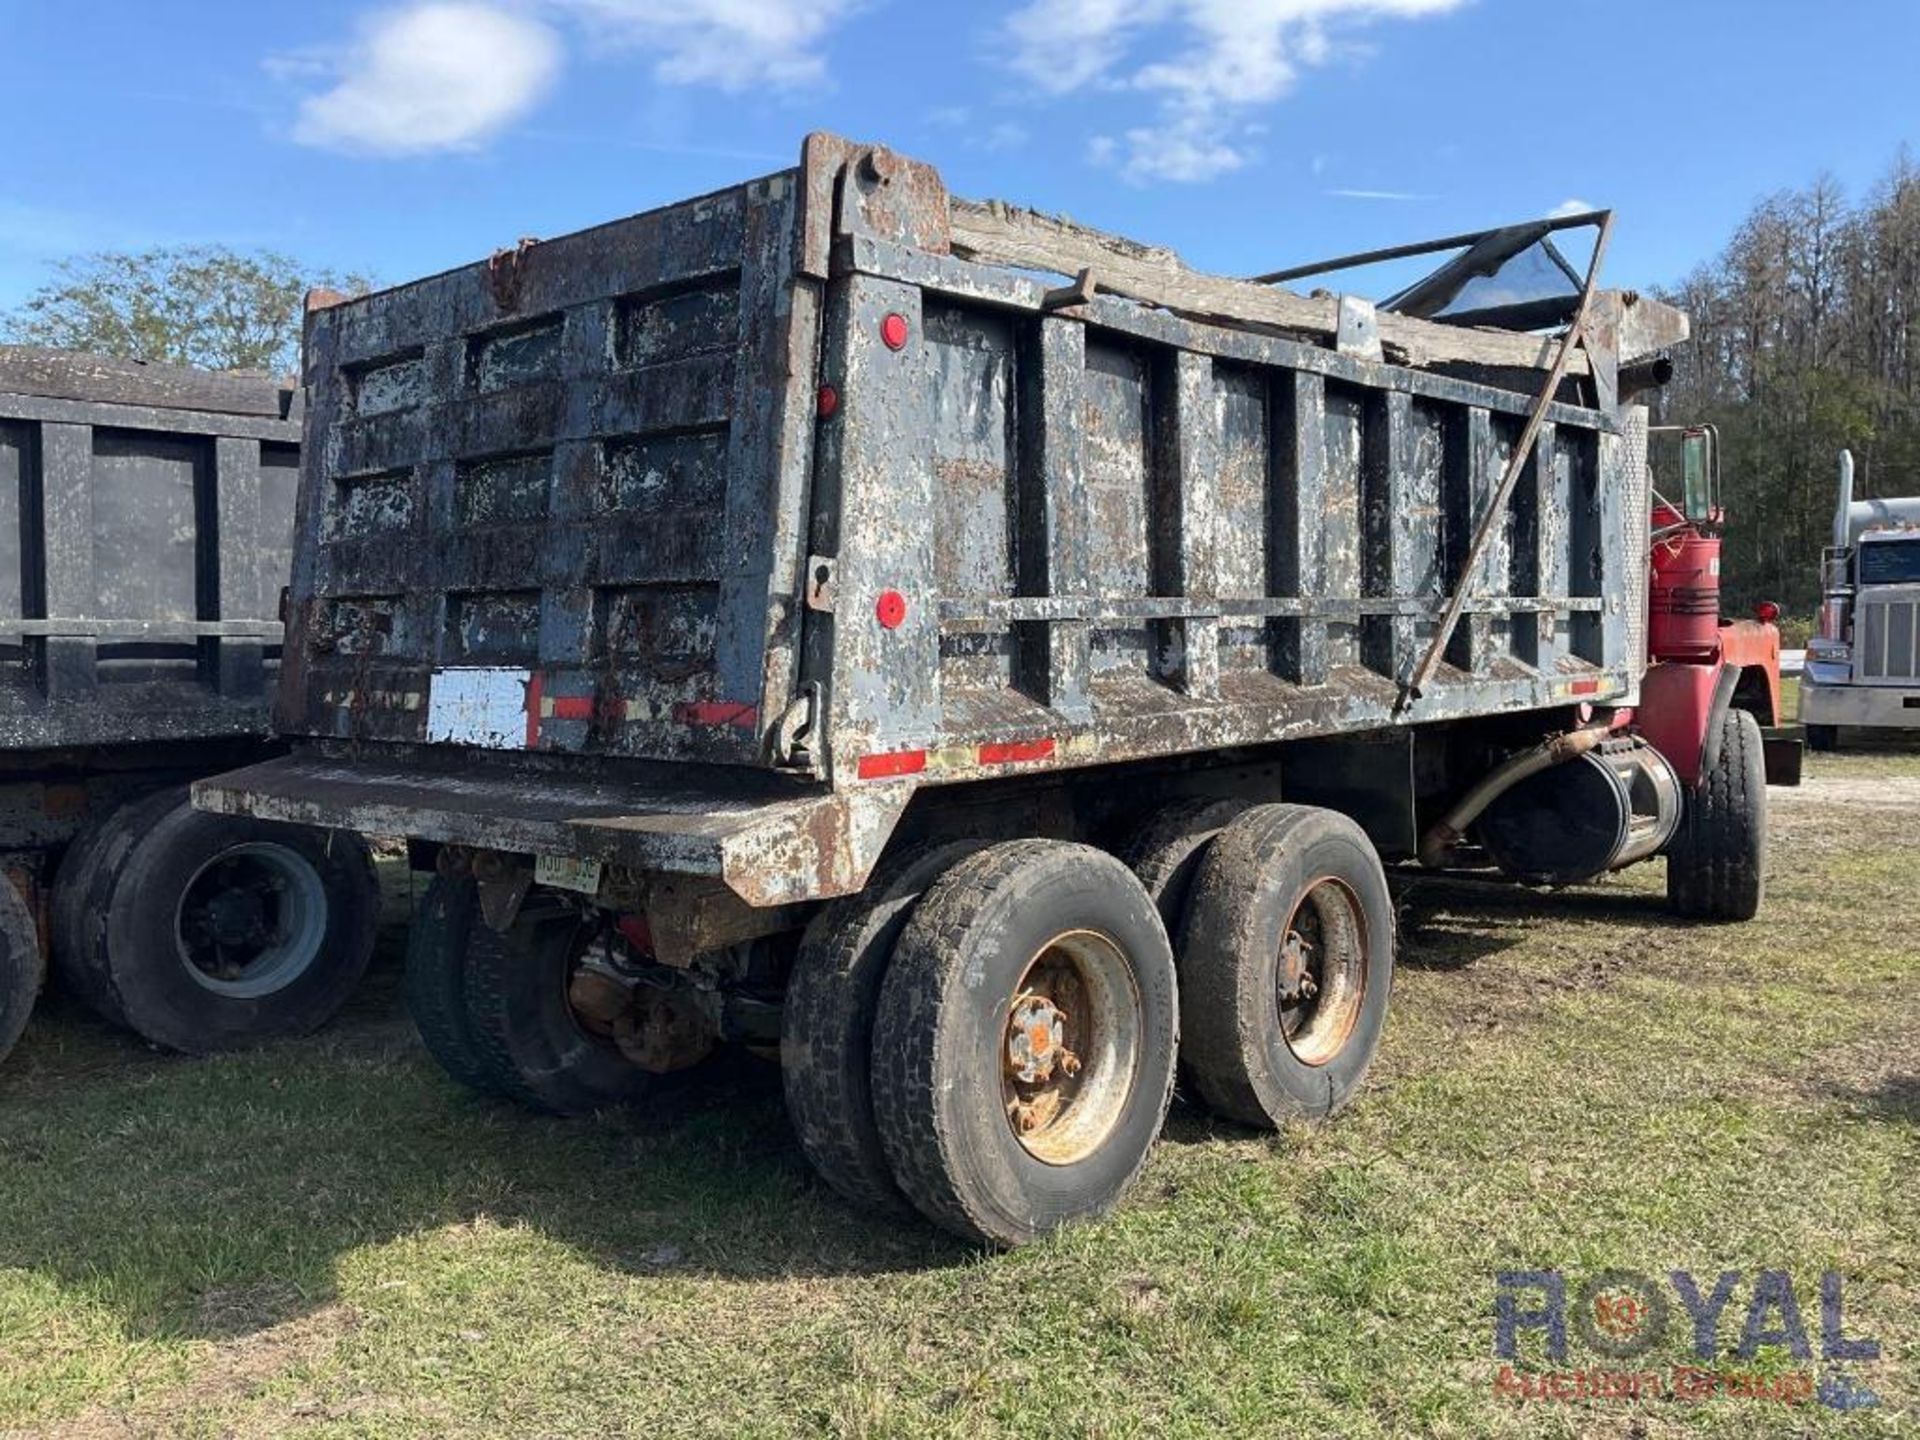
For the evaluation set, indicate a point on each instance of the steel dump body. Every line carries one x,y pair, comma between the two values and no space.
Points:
146,525
700,542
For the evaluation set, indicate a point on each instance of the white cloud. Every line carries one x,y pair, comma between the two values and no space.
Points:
734,45
443,75
450,74
1213,64
1062,45
1187,149
1380,195
1575,206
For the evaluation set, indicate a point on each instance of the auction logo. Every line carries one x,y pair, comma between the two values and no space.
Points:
1623,1315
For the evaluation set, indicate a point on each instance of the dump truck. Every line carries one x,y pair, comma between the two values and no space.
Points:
146,532
981,656
1863,667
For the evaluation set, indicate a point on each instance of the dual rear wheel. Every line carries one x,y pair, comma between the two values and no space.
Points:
497,1009
991,1035
205,932
988,1033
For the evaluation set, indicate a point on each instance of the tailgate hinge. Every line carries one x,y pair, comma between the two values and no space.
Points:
794,731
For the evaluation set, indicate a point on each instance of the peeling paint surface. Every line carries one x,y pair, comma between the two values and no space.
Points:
1060,528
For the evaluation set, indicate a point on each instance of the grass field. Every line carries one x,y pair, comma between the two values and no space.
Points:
329,1239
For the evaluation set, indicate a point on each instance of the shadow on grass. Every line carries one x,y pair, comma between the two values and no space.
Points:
1895,1099
1859,741
1451,924
218,1197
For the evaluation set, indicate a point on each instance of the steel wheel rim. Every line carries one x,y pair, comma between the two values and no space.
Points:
251,921
1321,977
1070,1047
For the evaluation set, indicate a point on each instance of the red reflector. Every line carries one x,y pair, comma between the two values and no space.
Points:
573,707
1014,751
536,683
893,331
900,762
1584,687
829,401
890,609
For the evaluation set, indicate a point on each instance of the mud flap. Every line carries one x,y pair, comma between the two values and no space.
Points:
1785,747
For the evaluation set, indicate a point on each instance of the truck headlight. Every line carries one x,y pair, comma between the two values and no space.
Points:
1829,652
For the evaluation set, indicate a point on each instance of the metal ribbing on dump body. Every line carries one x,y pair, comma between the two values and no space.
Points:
146,518
842,500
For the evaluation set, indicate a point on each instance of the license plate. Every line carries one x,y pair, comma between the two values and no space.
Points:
564,873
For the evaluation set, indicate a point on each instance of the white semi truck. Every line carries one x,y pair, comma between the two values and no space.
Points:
1863,667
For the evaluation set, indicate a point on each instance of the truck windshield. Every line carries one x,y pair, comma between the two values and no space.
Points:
1890,562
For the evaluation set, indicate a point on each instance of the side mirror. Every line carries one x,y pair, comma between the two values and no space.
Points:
1699,468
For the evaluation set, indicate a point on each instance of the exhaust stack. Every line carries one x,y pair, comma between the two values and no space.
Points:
1843,515
1852,518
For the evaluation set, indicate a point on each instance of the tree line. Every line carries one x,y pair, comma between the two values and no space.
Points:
204,305
1806,338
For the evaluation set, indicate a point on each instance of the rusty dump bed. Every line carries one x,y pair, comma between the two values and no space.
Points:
701,540
146,529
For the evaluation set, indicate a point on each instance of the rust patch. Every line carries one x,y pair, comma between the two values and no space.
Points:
503,274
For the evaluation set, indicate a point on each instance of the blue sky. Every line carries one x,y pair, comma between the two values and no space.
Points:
399,138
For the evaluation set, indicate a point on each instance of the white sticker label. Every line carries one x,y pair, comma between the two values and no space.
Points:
479,707
565,873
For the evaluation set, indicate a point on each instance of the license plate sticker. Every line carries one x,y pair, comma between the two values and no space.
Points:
562,872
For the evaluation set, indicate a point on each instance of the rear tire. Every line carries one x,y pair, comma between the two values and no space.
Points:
1262,1046
22,971
525,1037
1165,851
1823,738
434,985
76,965
1716,865
1024,1046
208,932
826,1025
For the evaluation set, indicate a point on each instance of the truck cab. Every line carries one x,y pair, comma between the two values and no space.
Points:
1863,668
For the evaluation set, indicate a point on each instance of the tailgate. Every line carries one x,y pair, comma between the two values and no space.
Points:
552,500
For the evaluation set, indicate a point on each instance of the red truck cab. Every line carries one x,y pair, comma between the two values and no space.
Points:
1701,666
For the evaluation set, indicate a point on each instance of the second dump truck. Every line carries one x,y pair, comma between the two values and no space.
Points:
981,656
146,528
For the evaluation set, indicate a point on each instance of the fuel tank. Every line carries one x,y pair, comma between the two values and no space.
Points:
1609,808
1683,603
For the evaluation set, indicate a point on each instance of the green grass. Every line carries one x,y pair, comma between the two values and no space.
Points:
329,1239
